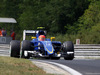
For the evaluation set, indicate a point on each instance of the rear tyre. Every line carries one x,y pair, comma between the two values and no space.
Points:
68,50
15,48
25,46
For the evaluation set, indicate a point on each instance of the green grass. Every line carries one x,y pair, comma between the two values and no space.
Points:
15,66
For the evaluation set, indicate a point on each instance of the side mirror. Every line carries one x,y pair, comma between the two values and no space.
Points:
33,37
52,38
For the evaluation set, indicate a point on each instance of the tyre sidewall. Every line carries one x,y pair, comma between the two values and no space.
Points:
68,46
25,46
15,48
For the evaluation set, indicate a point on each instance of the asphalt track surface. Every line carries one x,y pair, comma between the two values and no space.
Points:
84,66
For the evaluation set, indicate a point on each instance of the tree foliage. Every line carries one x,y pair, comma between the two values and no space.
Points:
89,23
56,16
76,18
91,16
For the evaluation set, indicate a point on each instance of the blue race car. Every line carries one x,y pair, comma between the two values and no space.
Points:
40,46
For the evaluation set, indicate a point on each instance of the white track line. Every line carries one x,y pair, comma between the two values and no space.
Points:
68,69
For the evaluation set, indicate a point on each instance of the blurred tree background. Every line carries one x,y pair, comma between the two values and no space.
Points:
65,19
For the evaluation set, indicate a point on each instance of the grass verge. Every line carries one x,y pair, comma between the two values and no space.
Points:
15,66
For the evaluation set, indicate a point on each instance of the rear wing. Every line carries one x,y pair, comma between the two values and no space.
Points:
30,32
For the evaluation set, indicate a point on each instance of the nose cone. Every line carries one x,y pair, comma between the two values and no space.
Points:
48,47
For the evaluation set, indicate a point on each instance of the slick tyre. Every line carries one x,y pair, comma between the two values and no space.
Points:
25,46
15,48
68,50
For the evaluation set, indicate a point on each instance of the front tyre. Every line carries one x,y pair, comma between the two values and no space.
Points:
68,50
15,48
25,46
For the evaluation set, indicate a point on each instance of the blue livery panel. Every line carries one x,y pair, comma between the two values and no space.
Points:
48,46
45,45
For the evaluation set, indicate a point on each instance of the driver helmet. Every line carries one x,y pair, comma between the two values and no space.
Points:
41,37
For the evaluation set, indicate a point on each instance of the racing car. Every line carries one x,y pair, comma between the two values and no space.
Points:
40,46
